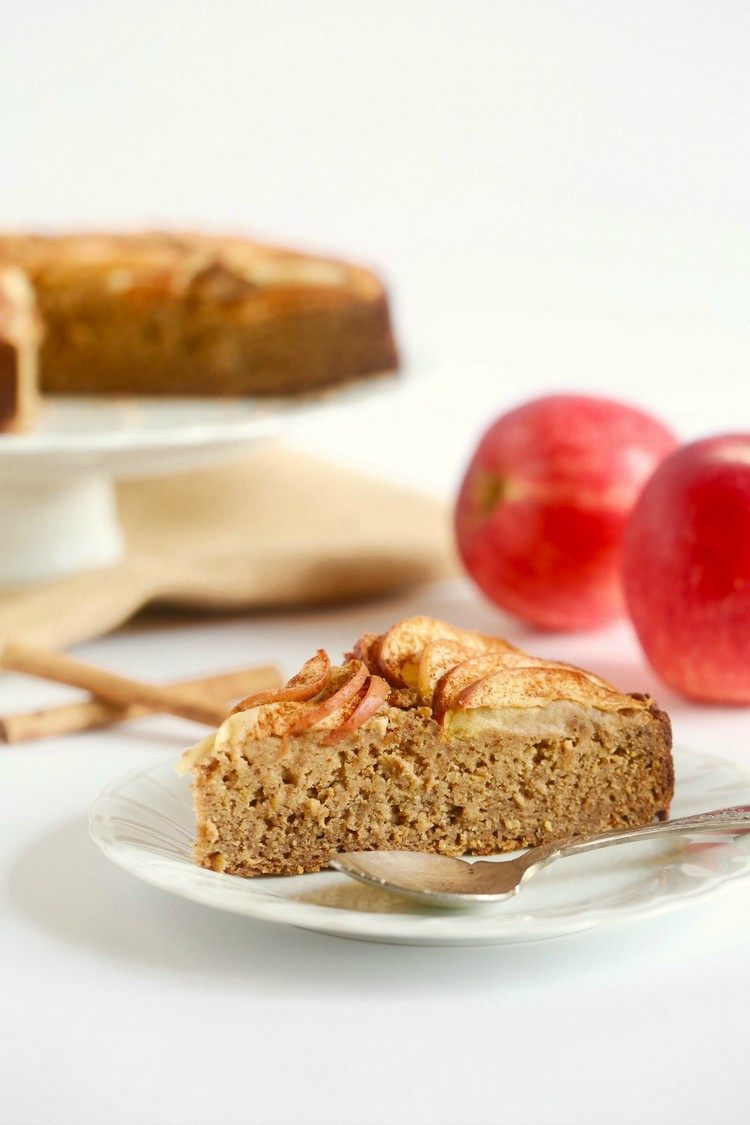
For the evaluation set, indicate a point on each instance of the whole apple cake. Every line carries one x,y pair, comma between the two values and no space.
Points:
427,738
170,313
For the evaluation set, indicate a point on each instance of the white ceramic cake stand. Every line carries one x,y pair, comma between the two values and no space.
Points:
58,512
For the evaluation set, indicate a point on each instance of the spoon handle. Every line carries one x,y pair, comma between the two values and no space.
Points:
720,820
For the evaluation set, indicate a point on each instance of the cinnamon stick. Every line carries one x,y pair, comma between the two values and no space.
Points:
58,666
93,714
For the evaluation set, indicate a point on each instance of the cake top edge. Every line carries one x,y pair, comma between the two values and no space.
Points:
186,260
420,663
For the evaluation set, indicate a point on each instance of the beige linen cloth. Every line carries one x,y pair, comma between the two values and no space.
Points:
276,529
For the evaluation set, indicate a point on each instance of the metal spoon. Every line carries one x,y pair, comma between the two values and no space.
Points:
443,881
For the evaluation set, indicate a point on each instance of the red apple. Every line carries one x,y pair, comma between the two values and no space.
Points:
544,503
686,569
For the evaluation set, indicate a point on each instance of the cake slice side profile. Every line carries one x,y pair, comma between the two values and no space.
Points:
525,753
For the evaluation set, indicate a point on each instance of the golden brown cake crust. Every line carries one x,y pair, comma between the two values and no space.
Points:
368,763
185,313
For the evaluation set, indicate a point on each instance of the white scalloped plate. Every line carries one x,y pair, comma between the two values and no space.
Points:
144,823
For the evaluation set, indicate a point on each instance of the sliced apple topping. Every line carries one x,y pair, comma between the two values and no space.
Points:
373,696
309,682
437,658
537,686
367,650
350,696
470,671
402,646
346,684
453,684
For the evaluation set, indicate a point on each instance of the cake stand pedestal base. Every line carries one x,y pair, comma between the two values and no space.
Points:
56,526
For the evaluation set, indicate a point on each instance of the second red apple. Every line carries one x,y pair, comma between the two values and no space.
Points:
686,568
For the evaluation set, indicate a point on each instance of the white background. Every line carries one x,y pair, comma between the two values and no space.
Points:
558,196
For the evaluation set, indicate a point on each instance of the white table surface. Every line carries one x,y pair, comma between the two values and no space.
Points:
557,193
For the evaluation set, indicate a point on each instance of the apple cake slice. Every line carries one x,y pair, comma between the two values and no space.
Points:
427,738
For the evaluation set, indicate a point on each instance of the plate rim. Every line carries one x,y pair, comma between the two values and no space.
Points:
407,928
